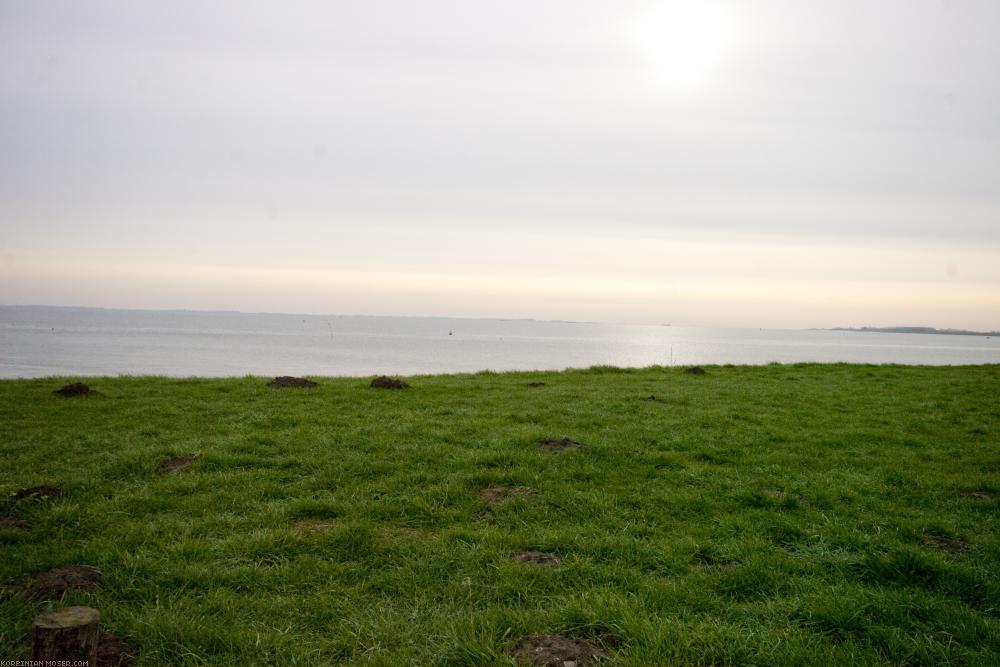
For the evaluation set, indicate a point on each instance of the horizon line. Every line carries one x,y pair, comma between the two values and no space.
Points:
851,327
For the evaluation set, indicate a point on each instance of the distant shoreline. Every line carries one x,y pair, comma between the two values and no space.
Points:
918,330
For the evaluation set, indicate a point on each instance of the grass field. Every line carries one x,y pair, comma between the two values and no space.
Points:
776,515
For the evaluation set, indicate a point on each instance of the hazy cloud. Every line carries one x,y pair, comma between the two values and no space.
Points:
379,135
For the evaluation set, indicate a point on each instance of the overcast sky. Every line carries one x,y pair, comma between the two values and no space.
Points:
760,163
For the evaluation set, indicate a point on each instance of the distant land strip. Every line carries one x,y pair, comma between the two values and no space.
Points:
919,330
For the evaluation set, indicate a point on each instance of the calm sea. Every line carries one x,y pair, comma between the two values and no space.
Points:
41,341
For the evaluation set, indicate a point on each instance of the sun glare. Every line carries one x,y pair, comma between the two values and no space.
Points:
682,41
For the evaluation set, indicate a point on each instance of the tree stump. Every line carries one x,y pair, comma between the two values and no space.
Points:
66,634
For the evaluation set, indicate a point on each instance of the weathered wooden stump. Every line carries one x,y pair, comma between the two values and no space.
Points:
66,634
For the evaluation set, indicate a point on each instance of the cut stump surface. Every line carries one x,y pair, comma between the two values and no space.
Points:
70,634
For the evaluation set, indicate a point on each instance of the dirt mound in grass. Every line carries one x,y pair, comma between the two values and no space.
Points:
538,558
55,582
313,526
496,494
386,382
74,389
289,382
953,545
11,523
978,495
114,651
558,444
535,384
694,370
40,491
558,651
170,464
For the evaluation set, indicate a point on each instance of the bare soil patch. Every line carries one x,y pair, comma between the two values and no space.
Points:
385,382
978,495
13,523
538,558
408,534
289,382
955,545
40,491
170,464
114,651
558,651
558,444
55,582
722,566
705,559
10,590
75,389
9,522
496,494
535,384
313,526
694,370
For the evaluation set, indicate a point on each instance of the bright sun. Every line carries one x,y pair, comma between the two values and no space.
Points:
682,41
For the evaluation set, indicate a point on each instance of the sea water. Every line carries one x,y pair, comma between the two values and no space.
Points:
45,341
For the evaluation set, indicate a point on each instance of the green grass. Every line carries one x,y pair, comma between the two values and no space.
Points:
776,515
